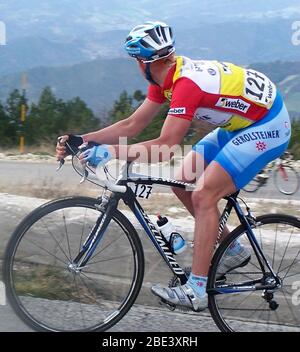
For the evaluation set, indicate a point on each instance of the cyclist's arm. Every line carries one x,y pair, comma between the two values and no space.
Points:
171,136
129,127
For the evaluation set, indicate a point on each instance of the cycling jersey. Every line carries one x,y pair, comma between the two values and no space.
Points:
243,153
220,93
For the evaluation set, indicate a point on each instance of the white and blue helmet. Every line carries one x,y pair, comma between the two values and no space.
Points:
150,41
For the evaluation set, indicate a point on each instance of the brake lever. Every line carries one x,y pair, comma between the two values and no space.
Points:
85,174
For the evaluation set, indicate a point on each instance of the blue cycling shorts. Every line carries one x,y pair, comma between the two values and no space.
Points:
243,153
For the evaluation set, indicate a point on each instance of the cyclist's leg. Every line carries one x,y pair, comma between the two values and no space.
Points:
214,184
193,293
195,163
187,172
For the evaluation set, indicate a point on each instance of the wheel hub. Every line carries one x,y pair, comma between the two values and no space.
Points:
73,268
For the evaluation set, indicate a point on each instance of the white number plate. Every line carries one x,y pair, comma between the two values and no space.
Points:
142,191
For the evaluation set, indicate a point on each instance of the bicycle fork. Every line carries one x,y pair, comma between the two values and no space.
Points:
94,237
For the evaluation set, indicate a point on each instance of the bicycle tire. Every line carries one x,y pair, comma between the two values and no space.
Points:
295,177
11,268
228,316
252,186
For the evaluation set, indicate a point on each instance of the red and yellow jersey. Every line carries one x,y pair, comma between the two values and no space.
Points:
220,93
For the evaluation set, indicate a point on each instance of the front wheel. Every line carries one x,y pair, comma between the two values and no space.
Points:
41,287
238,300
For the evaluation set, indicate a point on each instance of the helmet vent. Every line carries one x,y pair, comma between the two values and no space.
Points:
145,44
153,35
164,36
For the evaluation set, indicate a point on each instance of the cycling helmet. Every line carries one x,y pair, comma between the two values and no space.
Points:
150,41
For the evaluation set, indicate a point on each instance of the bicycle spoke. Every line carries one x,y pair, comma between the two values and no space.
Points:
82,231
58,244
67,236
77,289
238,303
45,250
287,276
258,309
274,248
92,294
293,263
285,250
105,247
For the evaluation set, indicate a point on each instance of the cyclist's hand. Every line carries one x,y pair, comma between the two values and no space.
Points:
98,155
62,150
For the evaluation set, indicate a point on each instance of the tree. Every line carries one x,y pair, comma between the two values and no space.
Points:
4,125
122,108
13,127
52,117
127,104
78,118
294,145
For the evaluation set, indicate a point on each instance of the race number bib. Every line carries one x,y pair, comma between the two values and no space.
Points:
259,88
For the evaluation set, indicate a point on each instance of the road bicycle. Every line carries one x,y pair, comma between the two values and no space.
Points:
77,263
286,178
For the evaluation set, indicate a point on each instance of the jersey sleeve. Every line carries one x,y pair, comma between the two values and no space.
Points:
186,98
155,94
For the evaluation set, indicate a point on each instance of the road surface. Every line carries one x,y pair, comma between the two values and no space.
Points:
15,175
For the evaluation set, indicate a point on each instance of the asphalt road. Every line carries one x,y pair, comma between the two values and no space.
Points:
16,175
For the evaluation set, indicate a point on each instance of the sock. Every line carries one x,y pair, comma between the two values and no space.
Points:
198,284
234,248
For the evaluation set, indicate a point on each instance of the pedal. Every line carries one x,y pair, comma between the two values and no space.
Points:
166,304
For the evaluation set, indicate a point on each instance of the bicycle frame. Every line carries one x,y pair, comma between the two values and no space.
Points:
130,199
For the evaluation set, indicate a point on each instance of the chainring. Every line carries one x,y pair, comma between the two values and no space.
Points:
175,282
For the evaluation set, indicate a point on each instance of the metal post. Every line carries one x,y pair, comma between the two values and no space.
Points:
23,112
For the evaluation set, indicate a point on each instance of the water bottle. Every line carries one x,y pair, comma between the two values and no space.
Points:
175,240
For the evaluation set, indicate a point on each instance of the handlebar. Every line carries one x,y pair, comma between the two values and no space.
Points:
113,187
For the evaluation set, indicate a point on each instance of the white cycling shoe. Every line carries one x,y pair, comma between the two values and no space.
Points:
184,296
181,296
232,261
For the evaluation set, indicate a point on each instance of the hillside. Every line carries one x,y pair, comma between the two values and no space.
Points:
99,82
287,77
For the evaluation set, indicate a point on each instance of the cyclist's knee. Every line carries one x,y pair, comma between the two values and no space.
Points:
203,198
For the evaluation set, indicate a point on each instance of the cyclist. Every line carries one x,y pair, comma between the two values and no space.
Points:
252,128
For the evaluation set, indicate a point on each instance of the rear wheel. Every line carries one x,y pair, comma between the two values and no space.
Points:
259,309
47,293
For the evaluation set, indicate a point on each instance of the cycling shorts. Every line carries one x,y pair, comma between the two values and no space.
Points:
243,153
